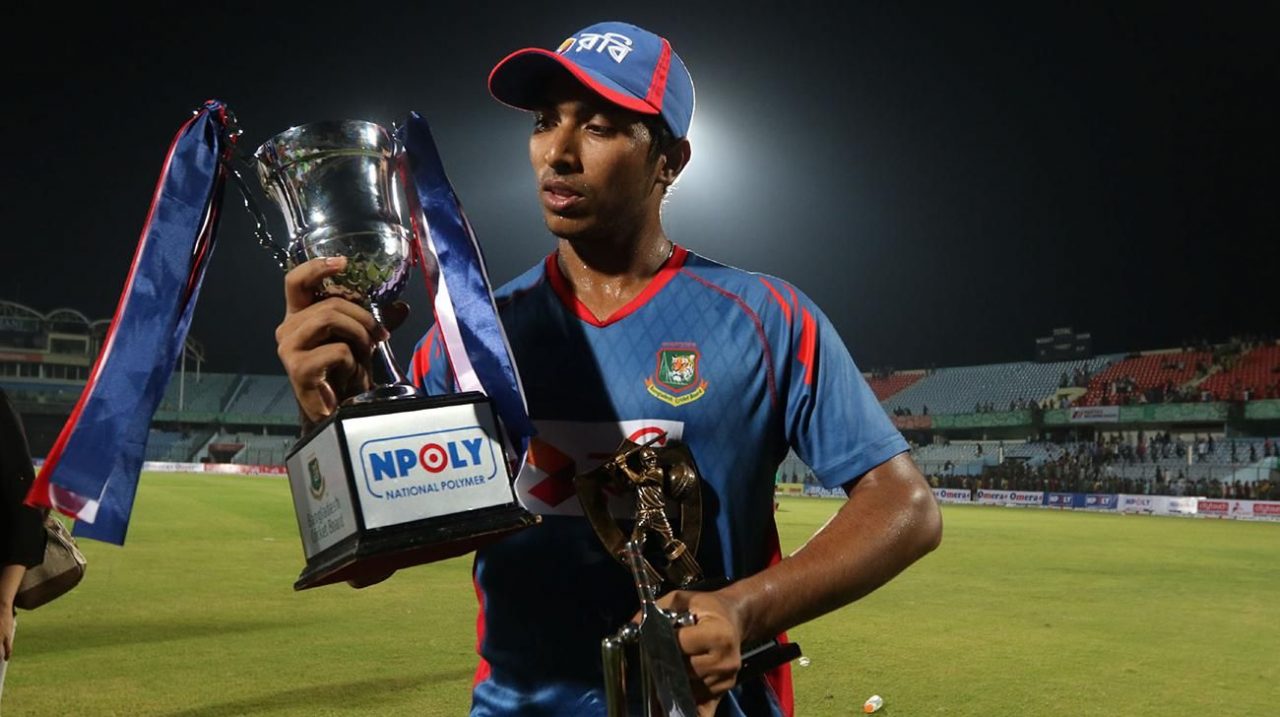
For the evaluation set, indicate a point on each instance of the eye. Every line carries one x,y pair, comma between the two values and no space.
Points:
542,121
601,128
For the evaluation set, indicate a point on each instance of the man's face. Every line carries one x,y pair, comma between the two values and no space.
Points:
592,164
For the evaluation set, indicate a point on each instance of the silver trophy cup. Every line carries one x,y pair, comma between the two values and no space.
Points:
393,478
338,186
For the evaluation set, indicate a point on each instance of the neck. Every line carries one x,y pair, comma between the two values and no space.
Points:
606,273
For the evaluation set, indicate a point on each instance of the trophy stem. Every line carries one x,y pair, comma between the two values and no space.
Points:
396,385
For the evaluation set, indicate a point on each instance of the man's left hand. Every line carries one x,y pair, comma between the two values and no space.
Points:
712,646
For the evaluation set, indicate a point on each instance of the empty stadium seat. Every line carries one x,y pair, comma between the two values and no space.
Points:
1148,371
1257,373
958,390
886,386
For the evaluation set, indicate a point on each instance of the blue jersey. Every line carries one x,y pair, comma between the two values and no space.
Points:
738,367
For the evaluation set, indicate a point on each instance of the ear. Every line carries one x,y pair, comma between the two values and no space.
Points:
673,162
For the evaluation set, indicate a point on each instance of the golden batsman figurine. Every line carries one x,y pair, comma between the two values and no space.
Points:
656,475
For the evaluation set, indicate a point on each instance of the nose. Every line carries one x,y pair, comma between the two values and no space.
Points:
560,149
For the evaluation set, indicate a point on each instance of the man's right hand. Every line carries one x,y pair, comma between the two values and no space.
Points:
324,343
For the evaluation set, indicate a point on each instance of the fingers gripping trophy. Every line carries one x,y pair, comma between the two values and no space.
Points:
393,477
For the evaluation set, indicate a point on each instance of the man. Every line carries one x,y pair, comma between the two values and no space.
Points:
618,334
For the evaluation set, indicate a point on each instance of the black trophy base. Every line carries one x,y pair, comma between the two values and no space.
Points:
370,556
386,485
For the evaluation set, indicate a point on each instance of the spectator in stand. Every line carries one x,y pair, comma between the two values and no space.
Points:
1253,453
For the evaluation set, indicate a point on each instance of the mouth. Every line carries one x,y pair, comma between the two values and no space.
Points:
560,196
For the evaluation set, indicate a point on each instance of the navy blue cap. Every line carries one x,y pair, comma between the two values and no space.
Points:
626,65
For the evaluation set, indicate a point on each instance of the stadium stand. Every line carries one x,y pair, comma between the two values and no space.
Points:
252,418
176,446
254,448
203,393
160,445
240,394
887,385
284,403
1150,378
1033,453
1120,462
959,458
1255,375
257,394
33,392
960,390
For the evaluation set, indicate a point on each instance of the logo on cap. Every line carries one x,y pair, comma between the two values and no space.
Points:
616,44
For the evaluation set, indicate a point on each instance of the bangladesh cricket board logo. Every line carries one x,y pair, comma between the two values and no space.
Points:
316,484
678,379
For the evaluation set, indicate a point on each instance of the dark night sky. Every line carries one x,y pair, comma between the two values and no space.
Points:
948,183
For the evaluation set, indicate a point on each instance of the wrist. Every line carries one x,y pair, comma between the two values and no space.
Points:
742,601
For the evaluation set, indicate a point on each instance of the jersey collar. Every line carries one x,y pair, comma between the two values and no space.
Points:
564,290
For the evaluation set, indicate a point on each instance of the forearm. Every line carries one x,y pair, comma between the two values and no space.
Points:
890,520
10,578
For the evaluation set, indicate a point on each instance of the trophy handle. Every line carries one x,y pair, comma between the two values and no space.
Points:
230,134
260,220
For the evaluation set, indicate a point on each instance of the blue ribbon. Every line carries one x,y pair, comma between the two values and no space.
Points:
100,451
462,266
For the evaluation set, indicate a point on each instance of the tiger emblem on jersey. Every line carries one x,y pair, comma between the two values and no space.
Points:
677,378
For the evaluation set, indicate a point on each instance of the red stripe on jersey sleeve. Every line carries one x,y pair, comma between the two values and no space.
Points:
786,309
808,346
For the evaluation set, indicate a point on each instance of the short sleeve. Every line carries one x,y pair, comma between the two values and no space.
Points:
832,418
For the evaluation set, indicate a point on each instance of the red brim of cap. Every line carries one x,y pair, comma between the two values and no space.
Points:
519,79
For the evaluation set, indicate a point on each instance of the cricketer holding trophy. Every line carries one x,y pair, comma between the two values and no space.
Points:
622,335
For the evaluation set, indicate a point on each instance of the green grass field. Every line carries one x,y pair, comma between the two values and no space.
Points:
1020,612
